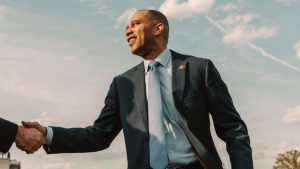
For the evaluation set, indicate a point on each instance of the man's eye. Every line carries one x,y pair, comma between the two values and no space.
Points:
135,23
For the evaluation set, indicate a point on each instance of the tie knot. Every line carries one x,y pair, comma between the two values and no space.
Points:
153,65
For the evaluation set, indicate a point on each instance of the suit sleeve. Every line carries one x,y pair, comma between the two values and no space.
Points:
228,124
92,138
8,131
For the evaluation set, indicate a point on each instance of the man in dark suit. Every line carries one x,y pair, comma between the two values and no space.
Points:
190,89
29,139
8,132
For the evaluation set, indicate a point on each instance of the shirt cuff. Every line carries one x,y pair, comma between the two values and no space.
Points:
49,136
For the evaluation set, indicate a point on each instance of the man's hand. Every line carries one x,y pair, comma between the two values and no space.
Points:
29,139
35,125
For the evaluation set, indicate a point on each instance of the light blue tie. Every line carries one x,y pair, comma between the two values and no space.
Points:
157,143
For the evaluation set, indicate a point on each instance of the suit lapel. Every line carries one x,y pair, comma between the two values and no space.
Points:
178,77
140,93
178,83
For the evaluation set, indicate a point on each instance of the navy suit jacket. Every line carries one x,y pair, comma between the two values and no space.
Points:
8,131
198,91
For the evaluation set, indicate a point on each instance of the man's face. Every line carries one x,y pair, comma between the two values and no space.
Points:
139,33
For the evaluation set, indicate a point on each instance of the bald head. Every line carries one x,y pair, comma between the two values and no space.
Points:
158,17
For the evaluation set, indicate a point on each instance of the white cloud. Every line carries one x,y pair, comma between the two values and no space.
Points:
174,9
297,48
292,116
238,28
253,46
233,20
241,30
124,17
229,7
241,34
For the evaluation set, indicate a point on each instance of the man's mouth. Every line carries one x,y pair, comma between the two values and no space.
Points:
131,40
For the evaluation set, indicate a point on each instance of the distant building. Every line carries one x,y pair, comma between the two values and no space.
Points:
7,163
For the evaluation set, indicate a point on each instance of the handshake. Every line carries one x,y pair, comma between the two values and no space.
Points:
30,137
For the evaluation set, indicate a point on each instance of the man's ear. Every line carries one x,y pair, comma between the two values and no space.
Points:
158,29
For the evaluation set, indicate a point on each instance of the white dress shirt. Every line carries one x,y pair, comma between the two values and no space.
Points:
178,145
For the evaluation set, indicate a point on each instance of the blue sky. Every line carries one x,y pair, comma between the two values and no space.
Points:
58,57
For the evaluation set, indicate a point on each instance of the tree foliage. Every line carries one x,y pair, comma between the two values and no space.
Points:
288,160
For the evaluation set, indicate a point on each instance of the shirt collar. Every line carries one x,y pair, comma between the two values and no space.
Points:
163,58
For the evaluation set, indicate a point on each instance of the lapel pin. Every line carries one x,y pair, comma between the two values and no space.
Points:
181,67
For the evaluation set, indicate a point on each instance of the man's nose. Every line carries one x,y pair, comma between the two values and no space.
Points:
128,32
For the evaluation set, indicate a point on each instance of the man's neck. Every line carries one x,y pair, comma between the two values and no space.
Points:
153,54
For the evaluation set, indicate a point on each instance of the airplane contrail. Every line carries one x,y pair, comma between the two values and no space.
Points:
255,47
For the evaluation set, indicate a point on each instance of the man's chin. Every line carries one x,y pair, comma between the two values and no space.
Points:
137,52
134,51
